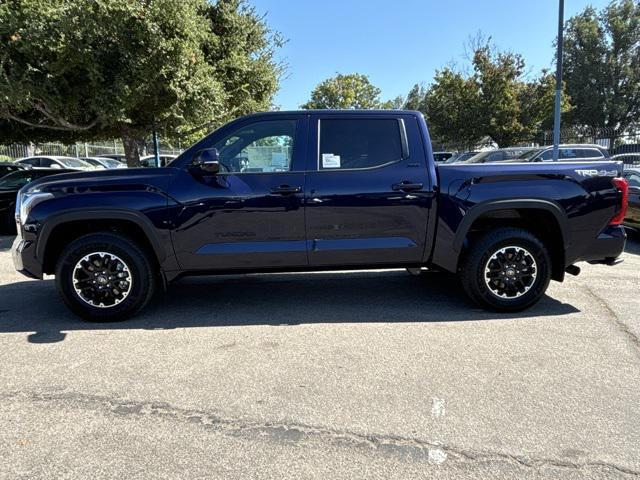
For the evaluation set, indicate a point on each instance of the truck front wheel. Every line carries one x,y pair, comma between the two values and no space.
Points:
506,269
104,277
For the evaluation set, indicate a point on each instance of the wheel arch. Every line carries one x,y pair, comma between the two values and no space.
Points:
60,229
544,218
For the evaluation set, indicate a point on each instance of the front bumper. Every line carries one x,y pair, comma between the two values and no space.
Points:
23,252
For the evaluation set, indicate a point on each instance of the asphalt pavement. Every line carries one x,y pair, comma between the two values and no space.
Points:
324,375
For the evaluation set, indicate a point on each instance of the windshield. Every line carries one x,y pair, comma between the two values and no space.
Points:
529,154
73,162
461,157
111,163
93,162
478,157
17,179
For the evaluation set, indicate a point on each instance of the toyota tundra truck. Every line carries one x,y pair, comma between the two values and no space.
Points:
318,190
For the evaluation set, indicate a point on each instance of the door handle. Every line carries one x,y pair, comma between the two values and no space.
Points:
406,186
285,190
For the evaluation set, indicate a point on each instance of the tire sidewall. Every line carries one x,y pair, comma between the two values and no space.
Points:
481,291
136,261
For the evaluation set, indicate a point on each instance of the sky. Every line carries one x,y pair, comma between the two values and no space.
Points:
403,42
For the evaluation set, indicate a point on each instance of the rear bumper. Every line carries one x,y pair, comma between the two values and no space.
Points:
605,248
24,258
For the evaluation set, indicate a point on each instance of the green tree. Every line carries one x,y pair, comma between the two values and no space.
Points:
352,91
416,97
451,106
80,69
602,65
496,100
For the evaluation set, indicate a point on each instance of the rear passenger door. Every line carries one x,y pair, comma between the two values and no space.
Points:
368,194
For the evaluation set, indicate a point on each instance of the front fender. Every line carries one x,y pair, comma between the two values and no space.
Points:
108,213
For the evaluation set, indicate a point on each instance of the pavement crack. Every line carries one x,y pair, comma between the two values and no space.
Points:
623,327
294,433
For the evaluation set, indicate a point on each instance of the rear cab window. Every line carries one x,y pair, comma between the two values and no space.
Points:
359,143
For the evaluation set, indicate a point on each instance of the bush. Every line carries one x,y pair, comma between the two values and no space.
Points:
4,158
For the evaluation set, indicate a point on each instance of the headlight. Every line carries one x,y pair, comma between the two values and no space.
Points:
27,200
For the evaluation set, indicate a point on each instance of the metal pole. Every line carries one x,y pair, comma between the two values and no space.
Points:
556,113
156,147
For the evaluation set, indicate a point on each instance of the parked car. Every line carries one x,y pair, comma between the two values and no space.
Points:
7,167
568,152
55,161
103,162
440,157
632,219
120,157
371,197
150,160
461,157
510,154
627,158
9,186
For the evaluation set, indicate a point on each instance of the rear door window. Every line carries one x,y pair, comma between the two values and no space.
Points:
347,144
34,162
494,157
48,163
569,154
591,153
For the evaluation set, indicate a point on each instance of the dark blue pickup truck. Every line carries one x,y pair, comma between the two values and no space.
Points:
318,190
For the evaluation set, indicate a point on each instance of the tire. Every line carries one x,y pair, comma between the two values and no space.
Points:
506,270
129,270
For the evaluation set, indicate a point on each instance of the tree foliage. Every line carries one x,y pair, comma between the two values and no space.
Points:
602,65
495,100
351,91
90,69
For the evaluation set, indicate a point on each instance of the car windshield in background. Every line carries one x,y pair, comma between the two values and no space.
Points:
529,154
499,155
17,179
461,157
111,163
73,162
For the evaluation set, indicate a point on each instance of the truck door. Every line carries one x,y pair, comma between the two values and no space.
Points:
368,192
250,215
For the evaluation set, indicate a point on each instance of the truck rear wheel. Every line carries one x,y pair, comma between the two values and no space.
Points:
507,269
105,277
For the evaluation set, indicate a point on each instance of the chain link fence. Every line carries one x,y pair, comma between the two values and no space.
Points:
618,142
16,151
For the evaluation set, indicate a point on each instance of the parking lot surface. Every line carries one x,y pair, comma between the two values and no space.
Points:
324,375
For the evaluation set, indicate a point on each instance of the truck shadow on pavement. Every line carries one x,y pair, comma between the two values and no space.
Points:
273,299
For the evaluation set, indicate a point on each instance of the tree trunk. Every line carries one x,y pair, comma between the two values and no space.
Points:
131,148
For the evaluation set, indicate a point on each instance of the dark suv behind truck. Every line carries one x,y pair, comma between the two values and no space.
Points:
318,190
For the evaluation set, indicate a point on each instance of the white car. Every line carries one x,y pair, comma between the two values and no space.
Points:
103,162
54,161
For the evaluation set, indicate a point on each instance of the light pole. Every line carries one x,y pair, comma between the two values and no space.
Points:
556,113
156,146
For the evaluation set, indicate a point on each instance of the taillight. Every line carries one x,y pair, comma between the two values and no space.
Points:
623,187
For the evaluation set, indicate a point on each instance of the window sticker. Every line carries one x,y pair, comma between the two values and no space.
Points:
329,160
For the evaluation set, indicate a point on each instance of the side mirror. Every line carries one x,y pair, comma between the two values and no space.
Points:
208,160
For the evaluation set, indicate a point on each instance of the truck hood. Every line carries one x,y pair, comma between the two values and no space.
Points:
105,180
